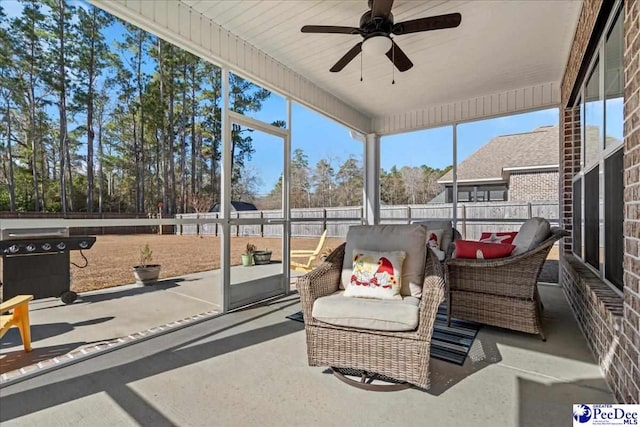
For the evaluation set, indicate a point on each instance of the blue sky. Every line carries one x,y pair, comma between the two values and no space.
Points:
318,136
321,137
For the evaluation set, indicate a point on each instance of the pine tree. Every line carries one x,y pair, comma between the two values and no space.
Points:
30,92
7,89
59,26
300,184
93,57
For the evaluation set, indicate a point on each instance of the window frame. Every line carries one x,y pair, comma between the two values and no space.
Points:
483,192
604,152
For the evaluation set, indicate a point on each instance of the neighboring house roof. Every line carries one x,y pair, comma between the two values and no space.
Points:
440,198
237,206
521,151
243,206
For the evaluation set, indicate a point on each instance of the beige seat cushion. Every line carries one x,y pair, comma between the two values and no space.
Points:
410,238
533,232
366,313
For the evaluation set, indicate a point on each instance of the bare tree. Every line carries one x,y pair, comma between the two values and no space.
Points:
201,202
413,183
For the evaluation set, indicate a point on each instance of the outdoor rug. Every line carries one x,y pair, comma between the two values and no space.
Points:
449,343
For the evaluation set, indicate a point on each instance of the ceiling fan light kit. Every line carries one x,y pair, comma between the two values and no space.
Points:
376,27
376,45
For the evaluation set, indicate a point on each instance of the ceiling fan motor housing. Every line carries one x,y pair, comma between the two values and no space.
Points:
375,25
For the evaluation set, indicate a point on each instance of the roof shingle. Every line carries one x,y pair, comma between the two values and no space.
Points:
536,148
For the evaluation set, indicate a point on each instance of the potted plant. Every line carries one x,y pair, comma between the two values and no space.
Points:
145,273
262,257
247,257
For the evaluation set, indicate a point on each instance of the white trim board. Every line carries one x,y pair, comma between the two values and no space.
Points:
516,101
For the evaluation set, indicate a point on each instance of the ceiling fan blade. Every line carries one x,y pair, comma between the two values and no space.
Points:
440,22
399,58
381,8
348,57
329,29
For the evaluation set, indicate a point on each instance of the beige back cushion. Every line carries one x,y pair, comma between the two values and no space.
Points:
531,234
412,239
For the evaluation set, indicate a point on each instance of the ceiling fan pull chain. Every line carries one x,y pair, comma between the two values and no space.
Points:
393,63
361,66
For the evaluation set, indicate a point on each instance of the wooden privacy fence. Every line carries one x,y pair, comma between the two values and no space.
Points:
473,218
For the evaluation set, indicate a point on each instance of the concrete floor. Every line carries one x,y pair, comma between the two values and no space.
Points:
98,316
249,368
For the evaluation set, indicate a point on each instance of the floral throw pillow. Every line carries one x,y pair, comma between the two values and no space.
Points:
376,274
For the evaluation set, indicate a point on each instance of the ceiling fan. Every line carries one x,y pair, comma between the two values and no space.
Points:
376,28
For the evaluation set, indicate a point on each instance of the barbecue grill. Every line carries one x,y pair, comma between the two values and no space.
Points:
36,262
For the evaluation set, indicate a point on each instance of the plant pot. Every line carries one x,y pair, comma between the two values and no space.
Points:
147,275
247,260
262,257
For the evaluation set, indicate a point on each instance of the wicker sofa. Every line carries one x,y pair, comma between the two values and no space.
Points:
402,355
500,292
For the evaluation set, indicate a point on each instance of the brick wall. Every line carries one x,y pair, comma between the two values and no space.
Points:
533,186
569,165
599,312
611,323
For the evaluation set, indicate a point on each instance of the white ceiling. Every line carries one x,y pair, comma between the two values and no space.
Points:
499,46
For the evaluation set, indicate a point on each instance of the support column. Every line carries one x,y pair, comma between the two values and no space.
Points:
372,179
225,197
286,203
454,200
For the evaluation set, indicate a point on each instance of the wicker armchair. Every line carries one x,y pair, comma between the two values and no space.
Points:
499,292
403,356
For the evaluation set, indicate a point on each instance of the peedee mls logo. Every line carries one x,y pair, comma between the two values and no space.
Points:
581,413
606,415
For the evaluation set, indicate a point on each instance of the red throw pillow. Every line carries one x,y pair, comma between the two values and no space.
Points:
499,237
481,250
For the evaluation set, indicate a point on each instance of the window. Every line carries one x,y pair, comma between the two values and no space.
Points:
494,193
614,86
614,212
591,218
598,188
498,194
593,109
464,195
577,217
